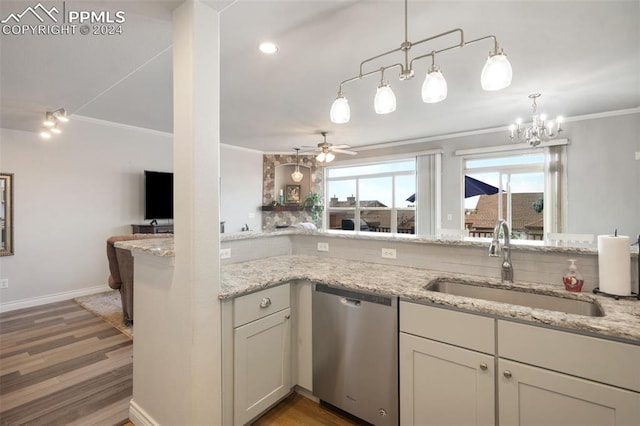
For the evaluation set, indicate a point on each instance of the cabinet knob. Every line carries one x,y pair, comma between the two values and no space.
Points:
484,366
507,374
265,303
287,317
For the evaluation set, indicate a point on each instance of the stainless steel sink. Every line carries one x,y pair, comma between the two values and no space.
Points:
514,296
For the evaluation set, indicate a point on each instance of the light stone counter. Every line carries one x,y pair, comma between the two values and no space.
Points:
621,319
164,247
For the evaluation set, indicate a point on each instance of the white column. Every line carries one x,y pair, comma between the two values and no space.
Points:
196,82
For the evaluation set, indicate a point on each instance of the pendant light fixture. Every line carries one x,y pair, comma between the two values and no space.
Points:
496,74
434,88
385,100
297,174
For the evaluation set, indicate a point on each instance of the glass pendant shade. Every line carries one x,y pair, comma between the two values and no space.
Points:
45,135
496,73
434,88
297,175
325,157
340,111
385,100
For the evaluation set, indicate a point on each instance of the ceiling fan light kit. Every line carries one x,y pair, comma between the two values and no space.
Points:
496,74
327,151
51,123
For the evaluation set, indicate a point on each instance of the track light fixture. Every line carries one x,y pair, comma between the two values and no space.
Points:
50,122
495,75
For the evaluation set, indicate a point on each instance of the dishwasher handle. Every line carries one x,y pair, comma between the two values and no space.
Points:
350,302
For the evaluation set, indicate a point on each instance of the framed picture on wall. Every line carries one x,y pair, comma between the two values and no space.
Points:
292,194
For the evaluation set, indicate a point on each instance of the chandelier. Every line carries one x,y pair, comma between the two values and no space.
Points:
540,130
496,74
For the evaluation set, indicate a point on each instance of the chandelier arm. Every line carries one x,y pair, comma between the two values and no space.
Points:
496,47
361,76
378,56
459,30
433,53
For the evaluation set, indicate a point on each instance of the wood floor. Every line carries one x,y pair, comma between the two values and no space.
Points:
62,365
296,410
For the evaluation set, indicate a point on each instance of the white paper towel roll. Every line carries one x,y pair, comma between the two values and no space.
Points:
614,264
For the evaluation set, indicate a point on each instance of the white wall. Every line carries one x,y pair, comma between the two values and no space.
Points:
603,176
241,188
71,193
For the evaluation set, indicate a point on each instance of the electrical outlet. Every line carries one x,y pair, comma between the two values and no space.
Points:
323,246
225,253
388,253
449,216
4,283
252,215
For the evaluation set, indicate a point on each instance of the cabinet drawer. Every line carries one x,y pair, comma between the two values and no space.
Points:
596,359
444,325
260,304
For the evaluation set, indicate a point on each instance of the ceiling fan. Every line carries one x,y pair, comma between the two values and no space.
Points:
326,150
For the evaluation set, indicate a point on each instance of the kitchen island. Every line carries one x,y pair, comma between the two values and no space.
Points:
283,267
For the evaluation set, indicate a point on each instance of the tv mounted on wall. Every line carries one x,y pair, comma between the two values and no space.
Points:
158,195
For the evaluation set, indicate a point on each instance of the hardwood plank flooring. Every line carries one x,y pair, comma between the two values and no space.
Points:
297,410
60,365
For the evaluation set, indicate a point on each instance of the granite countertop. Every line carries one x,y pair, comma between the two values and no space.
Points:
621,319
164,246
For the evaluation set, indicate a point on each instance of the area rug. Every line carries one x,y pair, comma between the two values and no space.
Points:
108,307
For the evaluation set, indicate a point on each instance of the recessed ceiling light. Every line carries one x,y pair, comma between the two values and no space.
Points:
268,48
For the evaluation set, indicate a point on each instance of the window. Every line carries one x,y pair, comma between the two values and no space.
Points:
521,188
372,197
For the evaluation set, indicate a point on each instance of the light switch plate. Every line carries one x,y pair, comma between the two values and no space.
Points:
323,246
4,283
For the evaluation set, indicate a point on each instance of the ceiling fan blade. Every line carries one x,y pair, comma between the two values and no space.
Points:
343,146
342,151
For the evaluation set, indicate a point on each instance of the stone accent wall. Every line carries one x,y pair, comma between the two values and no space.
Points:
270,193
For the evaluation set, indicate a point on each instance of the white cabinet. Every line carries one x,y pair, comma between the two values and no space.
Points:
552,377
532,396
543,376
443,384
261,352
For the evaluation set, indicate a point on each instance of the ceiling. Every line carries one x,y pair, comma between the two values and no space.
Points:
583,56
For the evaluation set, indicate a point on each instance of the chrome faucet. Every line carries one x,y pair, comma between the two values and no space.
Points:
494,249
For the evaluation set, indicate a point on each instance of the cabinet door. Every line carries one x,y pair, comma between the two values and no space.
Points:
262,364
442,384
535,396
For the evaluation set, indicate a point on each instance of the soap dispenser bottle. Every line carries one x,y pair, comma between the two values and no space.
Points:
572,279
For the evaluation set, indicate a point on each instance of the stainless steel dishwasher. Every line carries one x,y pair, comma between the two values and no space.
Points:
355,353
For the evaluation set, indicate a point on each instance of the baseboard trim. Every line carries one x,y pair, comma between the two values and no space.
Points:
58,297
139,416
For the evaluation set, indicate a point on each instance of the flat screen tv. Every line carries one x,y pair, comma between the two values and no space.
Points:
158,195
